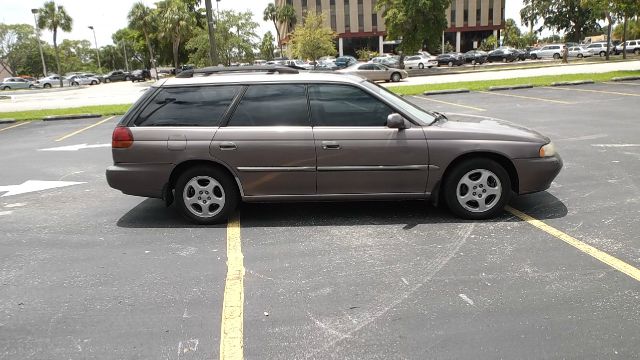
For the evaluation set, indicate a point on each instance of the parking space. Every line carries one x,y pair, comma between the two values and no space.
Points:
85,269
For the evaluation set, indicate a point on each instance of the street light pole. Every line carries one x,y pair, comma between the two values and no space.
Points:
37,30
95,40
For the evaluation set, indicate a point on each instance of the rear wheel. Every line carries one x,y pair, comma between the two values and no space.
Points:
534,57
450,63
46,86
504,60
126,78
93,82
473,62
580,56
636,51
206,195
421,66
477,189
74,84
6,88
602,53
556,56
107,80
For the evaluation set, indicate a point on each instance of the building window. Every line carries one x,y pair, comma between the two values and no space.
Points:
453,14
360,16
374,16
491,12
332,11
318,7
502,11
347,17
478,12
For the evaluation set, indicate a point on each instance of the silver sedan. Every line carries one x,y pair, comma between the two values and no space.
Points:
579,52
376,72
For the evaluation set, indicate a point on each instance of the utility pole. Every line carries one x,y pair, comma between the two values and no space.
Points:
97,51
213,54
44,66
126,62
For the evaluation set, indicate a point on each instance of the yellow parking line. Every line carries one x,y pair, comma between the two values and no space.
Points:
453,104
587,249
527,97
84,129
14,126
231,330
593,91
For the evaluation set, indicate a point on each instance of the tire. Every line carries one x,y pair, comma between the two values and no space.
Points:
504,60
534,57
395,77
74,84
580,56
31,86
107,80
636,51
602,53
556,56
450,63
47,86
93,82
473,62
217,185
458,192
6,88
421,66
126,78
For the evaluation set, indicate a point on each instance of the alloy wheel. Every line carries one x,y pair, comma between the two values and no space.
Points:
479,190
204,196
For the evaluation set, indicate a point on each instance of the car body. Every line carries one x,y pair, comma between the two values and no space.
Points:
140,75
298,64
633,46
333,137
117,75
502,55
375,72
548,51
76,80
52,80
475,57
450,59
12,83
579,52
418,62
100,78
345,61
600,48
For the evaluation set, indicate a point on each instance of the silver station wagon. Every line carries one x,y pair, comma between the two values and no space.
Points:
213,137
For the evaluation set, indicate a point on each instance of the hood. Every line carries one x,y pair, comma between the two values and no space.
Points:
485,130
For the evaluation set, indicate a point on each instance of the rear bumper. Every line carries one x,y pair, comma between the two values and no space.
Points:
537,174
146,180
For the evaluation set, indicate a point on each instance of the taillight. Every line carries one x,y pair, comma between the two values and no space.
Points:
122,138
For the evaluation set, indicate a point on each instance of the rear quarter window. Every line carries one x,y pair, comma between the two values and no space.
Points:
188,106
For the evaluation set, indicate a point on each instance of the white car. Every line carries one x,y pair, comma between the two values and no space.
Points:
77,80
600,48
52,81
579,52
632,46
548,51
418,62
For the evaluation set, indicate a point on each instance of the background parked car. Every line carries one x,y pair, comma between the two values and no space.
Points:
548,51
140,75
450,59
100,78
579,52
633,46
76,80
117,75
11,83
376,72
417,62
52,80
502,55
600,48
345,61
475,57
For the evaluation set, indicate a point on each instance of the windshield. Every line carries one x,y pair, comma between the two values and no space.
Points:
417,113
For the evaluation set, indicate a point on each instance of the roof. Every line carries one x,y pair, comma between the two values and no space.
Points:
257,77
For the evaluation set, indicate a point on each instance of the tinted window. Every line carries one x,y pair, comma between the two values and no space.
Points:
188,106
341,105
632,43
366,67
272,105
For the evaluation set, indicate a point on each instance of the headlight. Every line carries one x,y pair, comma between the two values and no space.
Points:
548,150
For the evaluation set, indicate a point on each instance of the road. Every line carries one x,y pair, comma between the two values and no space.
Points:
89,273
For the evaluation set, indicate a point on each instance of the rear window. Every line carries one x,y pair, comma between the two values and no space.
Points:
188,106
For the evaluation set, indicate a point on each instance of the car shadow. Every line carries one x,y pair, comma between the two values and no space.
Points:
152,213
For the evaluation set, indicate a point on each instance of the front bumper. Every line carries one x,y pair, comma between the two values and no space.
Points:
537,174
146,180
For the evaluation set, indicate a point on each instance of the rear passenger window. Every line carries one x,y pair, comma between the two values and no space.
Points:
340,105
272,105
188,106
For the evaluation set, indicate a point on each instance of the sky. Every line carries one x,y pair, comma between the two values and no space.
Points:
108,16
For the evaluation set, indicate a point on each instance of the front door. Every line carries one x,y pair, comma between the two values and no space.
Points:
268,141
357,152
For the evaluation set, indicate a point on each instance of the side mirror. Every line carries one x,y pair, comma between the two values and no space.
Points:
396,121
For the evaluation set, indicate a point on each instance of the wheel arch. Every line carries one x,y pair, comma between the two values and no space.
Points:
187,164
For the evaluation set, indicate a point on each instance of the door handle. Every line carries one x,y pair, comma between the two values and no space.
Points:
227,146
330,145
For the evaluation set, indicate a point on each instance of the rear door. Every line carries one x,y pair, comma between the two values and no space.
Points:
268,141
357,152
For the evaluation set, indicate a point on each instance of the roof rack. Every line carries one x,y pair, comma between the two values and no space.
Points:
269,69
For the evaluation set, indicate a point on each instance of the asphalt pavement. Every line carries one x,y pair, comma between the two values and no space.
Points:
89,273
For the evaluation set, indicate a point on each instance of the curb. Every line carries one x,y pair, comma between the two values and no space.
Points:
578,82
5,97
7,121
442,92
510,87
70,117
626,78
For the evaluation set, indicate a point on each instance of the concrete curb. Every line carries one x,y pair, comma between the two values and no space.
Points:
578,82
510,87
7,121
70,117
5,97
626,78
442,92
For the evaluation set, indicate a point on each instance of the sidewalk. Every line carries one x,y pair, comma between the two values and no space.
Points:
510,74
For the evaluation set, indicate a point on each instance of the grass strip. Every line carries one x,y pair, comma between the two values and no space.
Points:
486,84
104,110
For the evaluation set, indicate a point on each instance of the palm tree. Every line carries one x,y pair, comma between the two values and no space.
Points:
271,14
278,15
140,18
51,18
176,22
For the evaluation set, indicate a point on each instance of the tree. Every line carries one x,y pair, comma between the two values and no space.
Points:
568,16
280,15
313,39
628,9
176,22
511,34
488,44
266,46
11,39
604,10
416,22
141,19
52,18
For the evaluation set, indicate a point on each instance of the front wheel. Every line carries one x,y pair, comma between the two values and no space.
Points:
477,189
636,51
106,81
421,66
206,195
556,56
6,88
396,77
534,57
580,56
450,63
93,82
47,86
74,84
127,78
602,53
